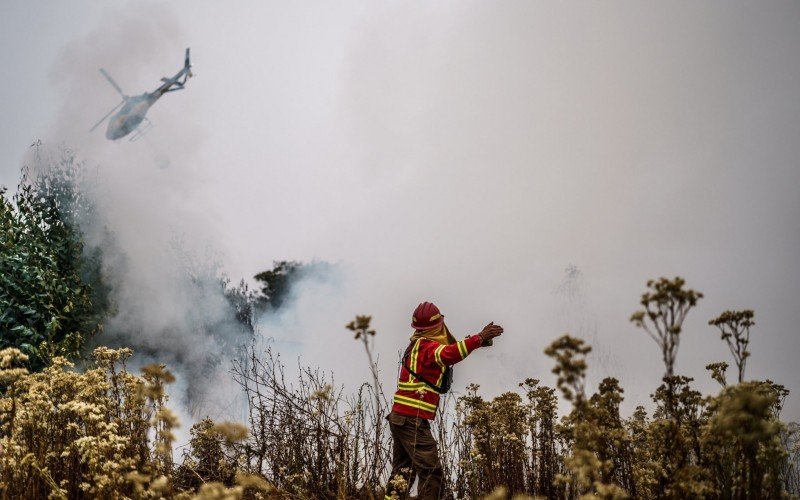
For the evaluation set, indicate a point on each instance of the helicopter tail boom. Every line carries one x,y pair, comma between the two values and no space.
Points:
176,81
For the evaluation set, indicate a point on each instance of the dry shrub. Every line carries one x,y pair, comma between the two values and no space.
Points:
506,445
306,437
105,433
67,434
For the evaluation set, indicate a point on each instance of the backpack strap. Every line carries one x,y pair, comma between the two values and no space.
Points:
416,375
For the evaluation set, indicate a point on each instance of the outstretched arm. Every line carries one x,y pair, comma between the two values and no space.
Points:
451,354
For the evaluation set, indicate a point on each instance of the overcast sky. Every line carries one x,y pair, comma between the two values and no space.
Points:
461,152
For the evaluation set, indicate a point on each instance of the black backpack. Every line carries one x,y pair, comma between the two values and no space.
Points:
447,378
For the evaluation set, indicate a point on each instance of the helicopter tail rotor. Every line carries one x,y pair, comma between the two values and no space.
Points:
187,65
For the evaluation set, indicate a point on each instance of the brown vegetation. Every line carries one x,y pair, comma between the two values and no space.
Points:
106,433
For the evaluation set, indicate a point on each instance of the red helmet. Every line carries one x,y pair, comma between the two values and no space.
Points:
426,316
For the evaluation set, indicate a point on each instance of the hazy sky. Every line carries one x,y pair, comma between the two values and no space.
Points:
461,152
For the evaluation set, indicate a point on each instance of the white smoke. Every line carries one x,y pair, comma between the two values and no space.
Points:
160,256
462,156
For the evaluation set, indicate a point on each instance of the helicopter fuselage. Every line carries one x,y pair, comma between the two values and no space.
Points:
131,115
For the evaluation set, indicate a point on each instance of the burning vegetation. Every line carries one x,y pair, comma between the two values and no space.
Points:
76,422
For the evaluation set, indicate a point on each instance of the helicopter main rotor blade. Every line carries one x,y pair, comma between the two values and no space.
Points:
112,82
107,115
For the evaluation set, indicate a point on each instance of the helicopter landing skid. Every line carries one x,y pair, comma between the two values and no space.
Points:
142,131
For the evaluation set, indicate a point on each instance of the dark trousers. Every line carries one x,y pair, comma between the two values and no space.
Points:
414,454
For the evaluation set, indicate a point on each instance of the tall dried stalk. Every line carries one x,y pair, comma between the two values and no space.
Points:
307,437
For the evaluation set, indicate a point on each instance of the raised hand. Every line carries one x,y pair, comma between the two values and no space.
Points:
489,332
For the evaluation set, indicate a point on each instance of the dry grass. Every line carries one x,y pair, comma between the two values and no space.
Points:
106,433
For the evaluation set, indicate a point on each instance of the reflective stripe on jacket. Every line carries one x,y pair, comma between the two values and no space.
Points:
428,359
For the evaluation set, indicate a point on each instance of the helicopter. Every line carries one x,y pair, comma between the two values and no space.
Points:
134,108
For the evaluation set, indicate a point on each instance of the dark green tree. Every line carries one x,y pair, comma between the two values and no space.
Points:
48,304
275,284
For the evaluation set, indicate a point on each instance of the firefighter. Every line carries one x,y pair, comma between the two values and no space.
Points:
425,373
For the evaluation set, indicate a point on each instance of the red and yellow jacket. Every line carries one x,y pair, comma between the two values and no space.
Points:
428,359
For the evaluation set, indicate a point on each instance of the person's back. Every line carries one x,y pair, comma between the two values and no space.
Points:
425,374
